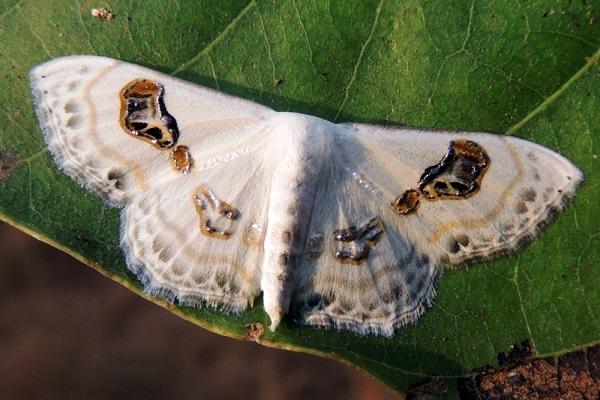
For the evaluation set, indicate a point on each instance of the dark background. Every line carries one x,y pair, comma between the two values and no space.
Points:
67,332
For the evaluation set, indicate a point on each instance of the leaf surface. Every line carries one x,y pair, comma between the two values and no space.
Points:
526,68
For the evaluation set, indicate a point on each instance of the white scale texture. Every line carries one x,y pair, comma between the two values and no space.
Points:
293,178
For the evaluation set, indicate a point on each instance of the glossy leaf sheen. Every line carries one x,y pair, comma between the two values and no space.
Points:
529,68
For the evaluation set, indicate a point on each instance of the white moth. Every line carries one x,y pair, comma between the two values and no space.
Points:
341,226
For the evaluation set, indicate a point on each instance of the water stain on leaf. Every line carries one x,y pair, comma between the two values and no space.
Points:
8,162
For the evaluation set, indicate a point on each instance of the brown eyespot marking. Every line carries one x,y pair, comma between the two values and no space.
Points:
407,202
213,210
181,159
144,115
352,245
458,175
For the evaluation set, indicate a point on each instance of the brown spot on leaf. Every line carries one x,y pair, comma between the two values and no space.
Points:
254,331
8,162
574,375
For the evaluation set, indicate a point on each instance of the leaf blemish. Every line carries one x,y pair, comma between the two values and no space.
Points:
9,160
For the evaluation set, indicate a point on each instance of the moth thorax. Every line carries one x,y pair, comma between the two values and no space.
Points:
293,189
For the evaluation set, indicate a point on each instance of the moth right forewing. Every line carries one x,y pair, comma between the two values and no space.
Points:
518,187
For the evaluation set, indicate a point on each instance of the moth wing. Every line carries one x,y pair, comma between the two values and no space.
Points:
370,167
359,271
520,190
198,239
78,102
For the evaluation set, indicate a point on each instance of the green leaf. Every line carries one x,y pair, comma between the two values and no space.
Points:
527,68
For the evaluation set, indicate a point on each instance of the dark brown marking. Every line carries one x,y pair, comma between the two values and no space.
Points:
74,121
287,237
463,240
181,159
521,207
420,286
506,228
284,259
528,195
117,177
207,202
407,202
282,277
352,245
315,246
177,269
71,107
144,115
457,176
8,162
453,246
221,280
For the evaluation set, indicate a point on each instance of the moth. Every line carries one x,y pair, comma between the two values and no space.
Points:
344,226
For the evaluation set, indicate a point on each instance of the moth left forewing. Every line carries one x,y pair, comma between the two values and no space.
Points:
112,125
183,162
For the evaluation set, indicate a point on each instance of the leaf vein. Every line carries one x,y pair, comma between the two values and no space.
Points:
554,96
10,10
359,60
228,29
